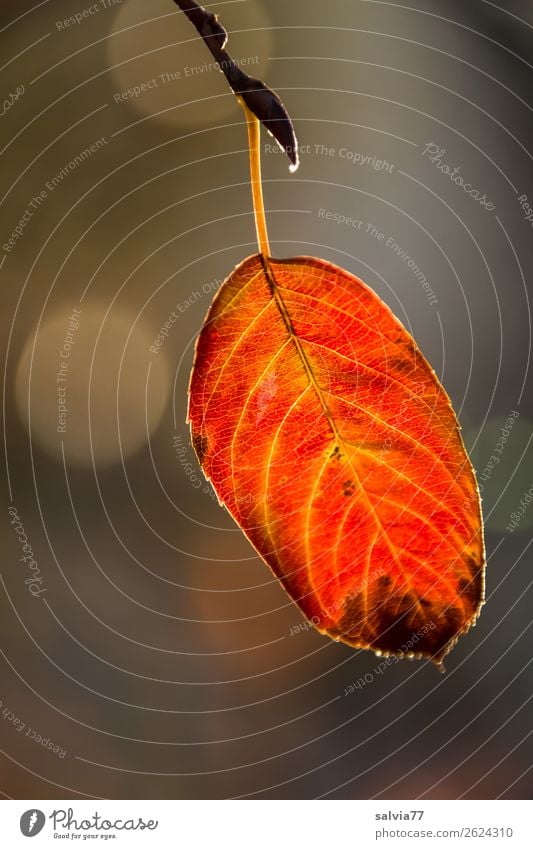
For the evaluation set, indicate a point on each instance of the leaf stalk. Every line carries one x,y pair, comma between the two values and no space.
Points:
254,142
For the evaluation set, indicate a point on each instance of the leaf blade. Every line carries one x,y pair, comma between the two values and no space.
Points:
331,442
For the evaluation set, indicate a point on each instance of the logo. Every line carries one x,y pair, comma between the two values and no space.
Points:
32,822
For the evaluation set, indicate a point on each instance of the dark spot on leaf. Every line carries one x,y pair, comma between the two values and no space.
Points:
396,624
403,365
476,569
348,488
353,618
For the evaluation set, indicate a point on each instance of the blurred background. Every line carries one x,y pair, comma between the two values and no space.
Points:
146,651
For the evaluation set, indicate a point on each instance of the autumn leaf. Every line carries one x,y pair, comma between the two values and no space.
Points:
329,439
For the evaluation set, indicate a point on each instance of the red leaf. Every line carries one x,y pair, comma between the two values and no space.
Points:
329,439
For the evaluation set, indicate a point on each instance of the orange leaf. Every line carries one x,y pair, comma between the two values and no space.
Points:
329,439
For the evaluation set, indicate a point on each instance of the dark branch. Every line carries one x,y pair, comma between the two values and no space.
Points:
259,98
